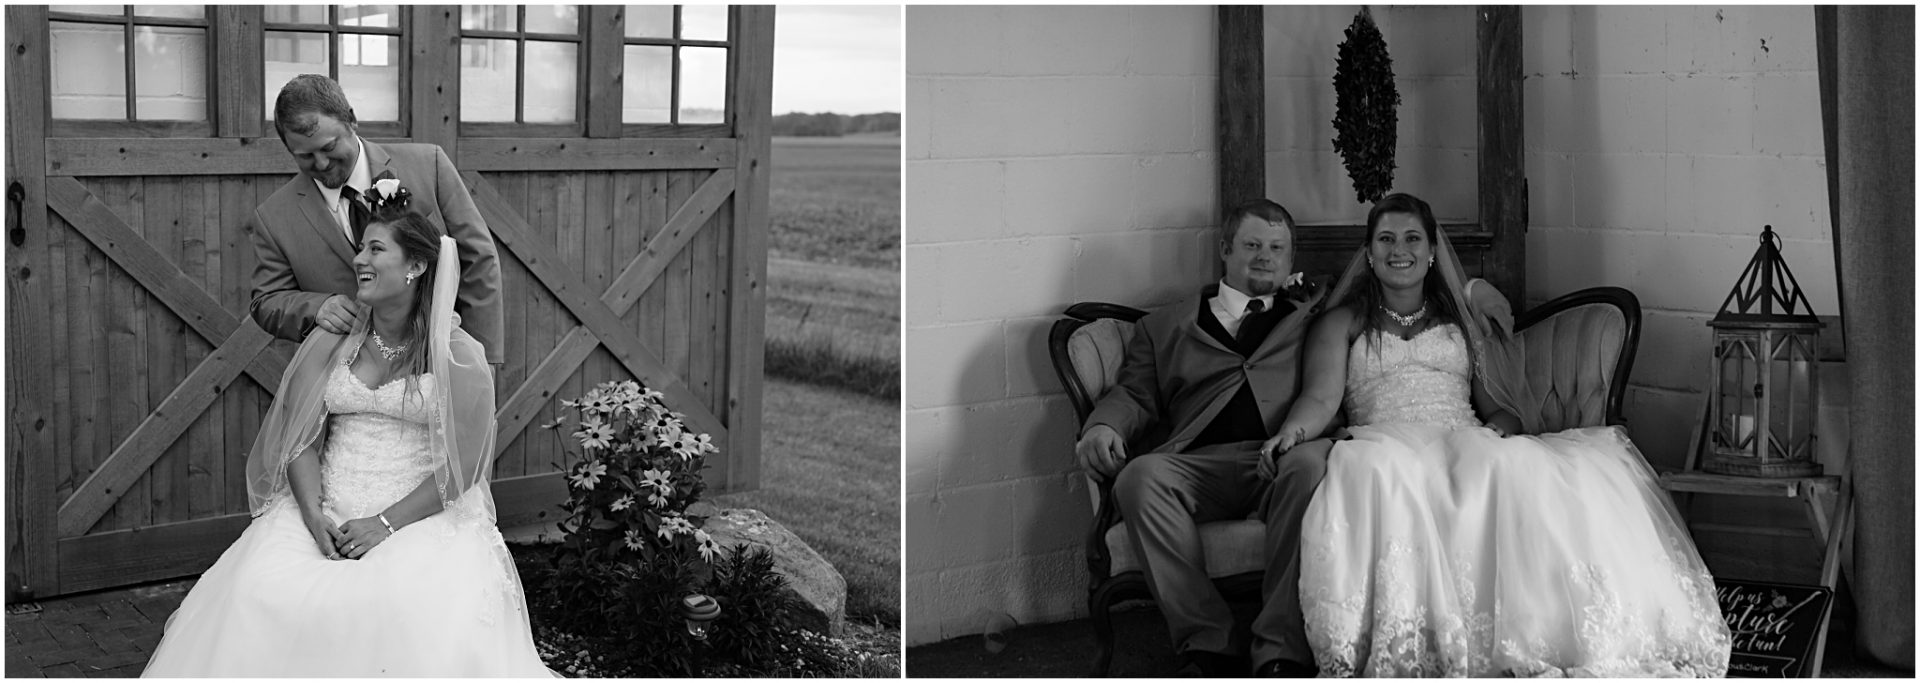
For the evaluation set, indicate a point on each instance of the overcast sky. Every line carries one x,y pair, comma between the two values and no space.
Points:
842,59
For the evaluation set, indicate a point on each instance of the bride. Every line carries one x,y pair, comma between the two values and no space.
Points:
373,550
1443,541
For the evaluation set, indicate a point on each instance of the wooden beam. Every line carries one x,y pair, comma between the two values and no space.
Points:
1241,106
436,77
32,449
159,276
576,154
532,495
1502,142
151,553
238,76
159,430
752,111
167,156
512,230
606,61
653,259
543,381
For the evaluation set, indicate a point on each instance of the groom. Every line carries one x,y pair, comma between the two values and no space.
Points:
1215,374
306,234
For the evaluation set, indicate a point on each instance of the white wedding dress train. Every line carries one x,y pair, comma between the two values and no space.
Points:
439,598
1434,547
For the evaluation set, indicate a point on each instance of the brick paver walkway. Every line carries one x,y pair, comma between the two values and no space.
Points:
104,634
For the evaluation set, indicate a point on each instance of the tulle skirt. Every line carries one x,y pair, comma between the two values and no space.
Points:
435,599
1433,551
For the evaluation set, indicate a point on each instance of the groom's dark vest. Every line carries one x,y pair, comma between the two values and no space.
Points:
1240,419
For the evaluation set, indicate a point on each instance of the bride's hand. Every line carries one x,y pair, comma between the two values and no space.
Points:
361,535
1273,448
326,536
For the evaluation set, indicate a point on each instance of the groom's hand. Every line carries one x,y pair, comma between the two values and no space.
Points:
337,314
1102,451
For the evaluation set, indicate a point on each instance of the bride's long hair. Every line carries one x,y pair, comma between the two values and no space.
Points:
1367,292
419,242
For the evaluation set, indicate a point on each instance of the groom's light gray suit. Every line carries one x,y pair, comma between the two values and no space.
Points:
304,256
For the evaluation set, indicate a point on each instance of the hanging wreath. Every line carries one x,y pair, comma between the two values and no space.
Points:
1364,119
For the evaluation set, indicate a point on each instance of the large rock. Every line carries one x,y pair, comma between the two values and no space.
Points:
820,587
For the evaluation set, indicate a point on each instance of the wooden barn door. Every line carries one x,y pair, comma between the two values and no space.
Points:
136,379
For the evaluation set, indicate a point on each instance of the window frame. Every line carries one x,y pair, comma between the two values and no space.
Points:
673,127
518,127
403,31
129,125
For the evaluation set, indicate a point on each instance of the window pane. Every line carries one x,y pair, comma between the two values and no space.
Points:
649,84
649,21
486,79
488,18
703,84
170,73
175,11
370,74
113,10
552,76
370,15
290,54
296,14
89,71
703,22
553,19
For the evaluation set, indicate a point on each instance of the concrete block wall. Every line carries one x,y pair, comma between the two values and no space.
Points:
1054,155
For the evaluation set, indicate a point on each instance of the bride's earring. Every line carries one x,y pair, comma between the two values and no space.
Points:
410,277
1369,260
1429,260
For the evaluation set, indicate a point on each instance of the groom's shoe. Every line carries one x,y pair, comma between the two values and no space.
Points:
1286,668
1203,664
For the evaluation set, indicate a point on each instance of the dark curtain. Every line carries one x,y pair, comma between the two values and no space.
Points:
1866,98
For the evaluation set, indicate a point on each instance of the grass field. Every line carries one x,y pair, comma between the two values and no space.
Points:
832,456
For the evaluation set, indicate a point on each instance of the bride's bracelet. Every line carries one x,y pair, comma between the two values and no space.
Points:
383,521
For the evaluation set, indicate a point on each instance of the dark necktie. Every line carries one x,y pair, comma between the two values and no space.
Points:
358,215
1254,307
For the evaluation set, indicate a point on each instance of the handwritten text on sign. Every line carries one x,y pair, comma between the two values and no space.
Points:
1773,625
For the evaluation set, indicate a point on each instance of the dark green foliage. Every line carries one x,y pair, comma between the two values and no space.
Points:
827,124
1365,121
820,359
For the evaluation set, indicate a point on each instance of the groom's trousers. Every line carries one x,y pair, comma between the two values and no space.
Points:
1164,497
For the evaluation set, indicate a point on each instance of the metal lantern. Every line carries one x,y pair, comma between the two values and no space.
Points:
1763,398
698,611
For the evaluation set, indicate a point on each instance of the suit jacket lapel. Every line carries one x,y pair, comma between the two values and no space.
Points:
1190,324
320,218
378,160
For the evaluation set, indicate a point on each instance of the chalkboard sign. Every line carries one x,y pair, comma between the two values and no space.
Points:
1774,626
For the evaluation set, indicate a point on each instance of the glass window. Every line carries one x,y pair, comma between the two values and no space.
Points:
676,64
357,45
138,63
520,63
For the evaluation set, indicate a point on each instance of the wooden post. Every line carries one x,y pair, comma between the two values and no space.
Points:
436,77
1502,139
752,112
605,54
31,446
238,71
1242,106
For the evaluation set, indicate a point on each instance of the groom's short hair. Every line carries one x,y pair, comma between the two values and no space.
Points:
1263,209
304,96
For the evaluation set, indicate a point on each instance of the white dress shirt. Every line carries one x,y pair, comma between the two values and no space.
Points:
359,180
1230,307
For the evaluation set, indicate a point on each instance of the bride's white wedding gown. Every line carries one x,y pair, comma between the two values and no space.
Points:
1433,547
440,597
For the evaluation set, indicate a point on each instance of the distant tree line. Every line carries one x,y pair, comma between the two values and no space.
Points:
834,125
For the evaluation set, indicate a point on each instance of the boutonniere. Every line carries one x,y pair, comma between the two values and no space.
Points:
387,192
1299,288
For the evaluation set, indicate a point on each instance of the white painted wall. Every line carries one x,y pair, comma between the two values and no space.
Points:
1054,155
1065,154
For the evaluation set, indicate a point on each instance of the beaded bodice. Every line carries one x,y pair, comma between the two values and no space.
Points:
377,447
1420,380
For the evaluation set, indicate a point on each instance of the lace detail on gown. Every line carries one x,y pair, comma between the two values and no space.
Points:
377,447
1435,548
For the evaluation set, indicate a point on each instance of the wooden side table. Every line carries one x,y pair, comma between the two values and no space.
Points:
1828,526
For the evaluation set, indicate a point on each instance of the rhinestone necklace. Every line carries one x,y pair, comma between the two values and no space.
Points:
391,353
1406,320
